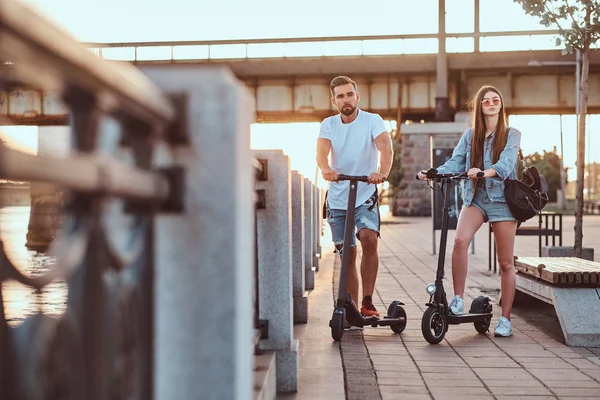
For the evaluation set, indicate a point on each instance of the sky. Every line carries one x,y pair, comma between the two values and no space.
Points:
154,20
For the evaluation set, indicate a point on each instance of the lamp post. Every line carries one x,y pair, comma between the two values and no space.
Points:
577,64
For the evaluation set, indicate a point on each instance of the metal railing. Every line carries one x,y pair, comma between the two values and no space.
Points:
221,50
102,346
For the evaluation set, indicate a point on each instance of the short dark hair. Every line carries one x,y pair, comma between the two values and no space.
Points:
340,81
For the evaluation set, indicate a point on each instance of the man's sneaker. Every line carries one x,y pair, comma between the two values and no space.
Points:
368,309
457,305
504,328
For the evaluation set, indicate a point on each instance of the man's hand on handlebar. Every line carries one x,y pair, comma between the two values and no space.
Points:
377,177
330,175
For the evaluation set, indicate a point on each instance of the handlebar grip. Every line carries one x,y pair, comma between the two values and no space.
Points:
362,178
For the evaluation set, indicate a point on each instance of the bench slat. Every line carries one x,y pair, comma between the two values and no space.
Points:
560,270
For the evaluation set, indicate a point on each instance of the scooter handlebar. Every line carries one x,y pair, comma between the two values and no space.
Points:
432,174
362,178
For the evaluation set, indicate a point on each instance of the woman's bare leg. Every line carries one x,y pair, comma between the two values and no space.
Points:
469,221
504,234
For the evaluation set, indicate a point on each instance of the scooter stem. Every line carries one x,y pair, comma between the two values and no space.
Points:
346,249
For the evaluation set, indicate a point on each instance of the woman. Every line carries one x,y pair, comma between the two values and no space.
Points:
492,147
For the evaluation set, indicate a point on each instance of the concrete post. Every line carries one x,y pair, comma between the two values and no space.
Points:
317,221
204,259
275,267
300,296
309,218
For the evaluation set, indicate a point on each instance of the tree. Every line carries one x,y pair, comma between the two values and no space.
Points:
548,165
578,23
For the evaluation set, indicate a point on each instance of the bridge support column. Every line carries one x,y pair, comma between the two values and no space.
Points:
205,254
443,112
47,199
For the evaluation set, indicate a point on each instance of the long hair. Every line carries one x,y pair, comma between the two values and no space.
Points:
479,128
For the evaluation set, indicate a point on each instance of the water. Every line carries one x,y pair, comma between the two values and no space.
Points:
21,301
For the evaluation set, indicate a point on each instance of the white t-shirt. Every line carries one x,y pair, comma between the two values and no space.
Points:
353,152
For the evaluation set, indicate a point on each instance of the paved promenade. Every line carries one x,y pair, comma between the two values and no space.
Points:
375,363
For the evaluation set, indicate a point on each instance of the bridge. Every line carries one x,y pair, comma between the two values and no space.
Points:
399,76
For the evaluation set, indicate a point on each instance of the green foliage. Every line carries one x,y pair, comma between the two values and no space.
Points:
548,165
569,17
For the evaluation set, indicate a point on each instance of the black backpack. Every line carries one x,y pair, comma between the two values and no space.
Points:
528,196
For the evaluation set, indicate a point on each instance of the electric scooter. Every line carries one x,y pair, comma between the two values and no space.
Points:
345,309
438,316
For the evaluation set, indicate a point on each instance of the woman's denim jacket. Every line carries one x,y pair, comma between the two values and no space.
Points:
506,167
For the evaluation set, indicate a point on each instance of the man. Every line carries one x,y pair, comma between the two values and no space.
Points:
354,137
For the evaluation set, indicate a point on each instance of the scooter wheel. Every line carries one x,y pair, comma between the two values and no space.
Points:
433,325
399,313
337,323
481,305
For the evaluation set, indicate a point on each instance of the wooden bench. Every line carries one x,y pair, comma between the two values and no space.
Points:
546,229
572,286
560,271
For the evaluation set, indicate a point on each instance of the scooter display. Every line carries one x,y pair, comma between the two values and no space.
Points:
438,316
345,309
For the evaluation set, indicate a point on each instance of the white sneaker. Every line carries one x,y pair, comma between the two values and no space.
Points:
504,328
457,305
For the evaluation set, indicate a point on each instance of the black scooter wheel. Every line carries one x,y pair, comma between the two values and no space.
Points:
400,326
337,324
433,325
479,306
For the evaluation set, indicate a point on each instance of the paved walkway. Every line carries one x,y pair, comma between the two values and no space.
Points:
374,363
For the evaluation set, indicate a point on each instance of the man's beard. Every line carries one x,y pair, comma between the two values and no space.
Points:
348,110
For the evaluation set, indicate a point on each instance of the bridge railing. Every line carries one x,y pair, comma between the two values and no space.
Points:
102,346
324,46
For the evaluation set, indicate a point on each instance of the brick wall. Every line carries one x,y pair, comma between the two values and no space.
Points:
417,140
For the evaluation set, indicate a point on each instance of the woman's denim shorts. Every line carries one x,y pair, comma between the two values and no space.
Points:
492,211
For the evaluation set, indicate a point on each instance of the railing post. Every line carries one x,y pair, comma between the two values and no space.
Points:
204,255
309,218
300,296
318,223
275,267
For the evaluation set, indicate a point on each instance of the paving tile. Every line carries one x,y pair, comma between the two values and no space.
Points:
559,374
520,390
575,391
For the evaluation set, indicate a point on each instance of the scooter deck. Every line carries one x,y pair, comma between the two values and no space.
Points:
355,318
466,318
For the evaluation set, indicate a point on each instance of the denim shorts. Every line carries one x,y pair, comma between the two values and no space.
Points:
365,216
492,211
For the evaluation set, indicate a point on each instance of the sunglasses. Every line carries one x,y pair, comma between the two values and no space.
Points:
495,101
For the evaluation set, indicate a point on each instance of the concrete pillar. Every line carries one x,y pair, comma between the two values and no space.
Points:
443,112
318,223
275,267
204,256
476,25
47,199
309,218
300,295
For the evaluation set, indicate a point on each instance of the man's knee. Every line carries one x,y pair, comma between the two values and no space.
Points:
368,239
